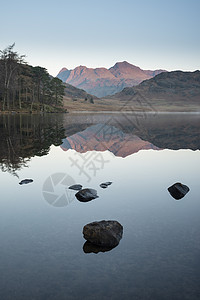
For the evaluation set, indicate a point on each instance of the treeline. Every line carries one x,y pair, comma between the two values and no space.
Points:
24,86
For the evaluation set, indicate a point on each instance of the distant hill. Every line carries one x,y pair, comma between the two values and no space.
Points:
172,90
73,92
102,82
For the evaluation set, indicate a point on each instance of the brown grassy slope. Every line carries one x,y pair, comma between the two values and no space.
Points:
119,106
99,105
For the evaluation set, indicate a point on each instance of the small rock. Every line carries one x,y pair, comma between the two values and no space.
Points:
76,187
104,185
25,181
86,195
104,233
91,248
178,190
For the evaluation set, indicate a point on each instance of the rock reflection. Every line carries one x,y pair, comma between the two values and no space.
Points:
91,248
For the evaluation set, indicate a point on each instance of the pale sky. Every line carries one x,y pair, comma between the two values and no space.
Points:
151,34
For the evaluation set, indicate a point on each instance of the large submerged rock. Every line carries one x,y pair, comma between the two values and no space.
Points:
178,190
86,195
104,233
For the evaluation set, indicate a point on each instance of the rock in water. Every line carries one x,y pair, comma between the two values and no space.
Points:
103,233
86,195
178,190
76,187
25,181
104,185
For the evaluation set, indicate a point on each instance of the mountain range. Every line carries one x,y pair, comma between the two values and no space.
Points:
102,82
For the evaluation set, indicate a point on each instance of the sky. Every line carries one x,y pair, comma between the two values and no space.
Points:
151,34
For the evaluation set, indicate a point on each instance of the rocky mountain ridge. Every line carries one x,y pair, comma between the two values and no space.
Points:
102,82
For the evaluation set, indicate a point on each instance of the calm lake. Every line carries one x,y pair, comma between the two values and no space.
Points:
42,250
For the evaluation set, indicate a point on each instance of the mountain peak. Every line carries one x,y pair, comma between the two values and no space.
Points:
63,70
81,67
123,64
126,70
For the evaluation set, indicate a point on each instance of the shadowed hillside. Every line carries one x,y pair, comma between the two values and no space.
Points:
169,90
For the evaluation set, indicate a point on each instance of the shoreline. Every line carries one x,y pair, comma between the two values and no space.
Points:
30,113
100,112
134,112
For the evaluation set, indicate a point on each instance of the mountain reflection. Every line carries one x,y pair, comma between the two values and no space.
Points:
124,134
102,137
25,136
173,131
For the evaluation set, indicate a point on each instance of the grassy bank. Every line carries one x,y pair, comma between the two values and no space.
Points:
119,105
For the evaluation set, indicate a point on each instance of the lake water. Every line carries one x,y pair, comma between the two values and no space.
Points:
42,253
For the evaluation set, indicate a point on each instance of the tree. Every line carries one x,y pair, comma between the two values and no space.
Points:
41,79
91,100
57,89
10,62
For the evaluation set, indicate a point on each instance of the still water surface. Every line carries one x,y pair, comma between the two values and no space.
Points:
41,242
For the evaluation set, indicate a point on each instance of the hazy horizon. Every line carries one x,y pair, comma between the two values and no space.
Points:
151,35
